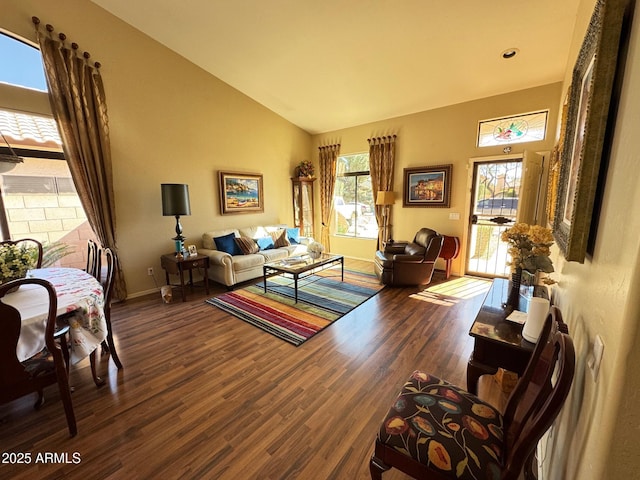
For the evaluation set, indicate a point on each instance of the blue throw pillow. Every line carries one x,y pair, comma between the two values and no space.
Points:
227,244
265,243
294,235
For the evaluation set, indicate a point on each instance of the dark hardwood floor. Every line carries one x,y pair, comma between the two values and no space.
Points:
204,395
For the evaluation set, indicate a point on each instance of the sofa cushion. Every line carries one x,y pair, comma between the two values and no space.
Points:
280,238
259,231
293,234
207,237
227,244
274,254
254,232
243,263
247,245
265,243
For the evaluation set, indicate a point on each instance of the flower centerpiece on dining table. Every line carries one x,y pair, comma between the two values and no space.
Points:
529,247
16,260
315,249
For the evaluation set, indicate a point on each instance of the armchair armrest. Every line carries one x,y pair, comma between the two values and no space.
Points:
408,258
395,247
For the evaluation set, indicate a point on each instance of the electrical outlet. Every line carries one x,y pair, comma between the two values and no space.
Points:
150,271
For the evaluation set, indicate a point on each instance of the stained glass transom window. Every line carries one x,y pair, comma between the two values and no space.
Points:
528,127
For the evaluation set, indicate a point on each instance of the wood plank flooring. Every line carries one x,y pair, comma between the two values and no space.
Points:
204,395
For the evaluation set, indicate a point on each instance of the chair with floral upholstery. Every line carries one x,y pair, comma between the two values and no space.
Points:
436,430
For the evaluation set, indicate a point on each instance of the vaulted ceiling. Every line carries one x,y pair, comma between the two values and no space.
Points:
331,64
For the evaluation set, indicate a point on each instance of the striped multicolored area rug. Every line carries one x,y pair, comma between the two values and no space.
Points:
322,299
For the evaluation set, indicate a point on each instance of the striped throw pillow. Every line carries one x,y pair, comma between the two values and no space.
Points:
247,245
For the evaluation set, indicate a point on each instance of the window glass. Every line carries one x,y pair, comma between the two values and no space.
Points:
353,202
21,64
529,127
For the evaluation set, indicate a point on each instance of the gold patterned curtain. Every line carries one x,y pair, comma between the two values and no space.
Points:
382,152
328,157
78,103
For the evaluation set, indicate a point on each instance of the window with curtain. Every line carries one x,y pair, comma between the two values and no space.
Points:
38,195
353,198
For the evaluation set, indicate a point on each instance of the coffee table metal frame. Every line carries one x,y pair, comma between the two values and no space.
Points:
298,271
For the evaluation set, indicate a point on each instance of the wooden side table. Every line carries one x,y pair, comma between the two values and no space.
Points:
177,266
450,250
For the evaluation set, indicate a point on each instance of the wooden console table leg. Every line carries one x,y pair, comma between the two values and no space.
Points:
474,372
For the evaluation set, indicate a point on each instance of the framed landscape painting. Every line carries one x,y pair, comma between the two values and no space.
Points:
241,193
427,186
587,138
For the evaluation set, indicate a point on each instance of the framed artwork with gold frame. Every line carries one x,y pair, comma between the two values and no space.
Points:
241,193
586,139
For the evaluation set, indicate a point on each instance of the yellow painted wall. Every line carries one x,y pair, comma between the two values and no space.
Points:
171,122
598,435
435,137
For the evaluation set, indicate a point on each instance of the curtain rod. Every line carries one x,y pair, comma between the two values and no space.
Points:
63,37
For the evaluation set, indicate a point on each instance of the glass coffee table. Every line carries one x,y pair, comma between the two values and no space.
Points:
300,267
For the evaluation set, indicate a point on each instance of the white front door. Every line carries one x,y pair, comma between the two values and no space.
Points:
495,194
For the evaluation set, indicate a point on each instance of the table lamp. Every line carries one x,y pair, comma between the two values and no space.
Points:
386,199
175,202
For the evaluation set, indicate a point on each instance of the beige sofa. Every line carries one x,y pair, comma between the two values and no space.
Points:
230,270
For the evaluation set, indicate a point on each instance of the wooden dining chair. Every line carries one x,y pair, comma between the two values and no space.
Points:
34,374
108,346
26,243
93,266
436,430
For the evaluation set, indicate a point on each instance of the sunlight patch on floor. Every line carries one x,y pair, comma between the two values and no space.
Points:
451,292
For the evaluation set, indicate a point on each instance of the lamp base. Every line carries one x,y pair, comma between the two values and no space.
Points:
179,244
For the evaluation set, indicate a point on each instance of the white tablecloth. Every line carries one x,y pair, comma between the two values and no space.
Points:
77,292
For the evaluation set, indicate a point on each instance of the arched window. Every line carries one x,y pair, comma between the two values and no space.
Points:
22,64
37,197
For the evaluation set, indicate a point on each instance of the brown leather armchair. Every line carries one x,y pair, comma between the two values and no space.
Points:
409,263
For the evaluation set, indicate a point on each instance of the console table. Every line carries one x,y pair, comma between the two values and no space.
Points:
498,342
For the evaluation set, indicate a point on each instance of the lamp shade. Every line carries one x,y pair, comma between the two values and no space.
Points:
175,199
385,198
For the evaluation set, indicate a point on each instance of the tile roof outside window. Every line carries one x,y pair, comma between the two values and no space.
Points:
29,130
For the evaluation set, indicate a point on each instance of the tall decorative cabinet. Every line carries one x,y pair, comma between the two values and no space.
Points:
303,205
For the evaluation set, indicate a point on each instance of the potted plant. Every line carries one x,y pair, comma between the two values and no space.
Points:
529,247
16,260
305,169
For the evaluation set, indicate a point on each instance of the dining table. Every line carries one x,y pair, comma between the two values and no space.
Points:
80,300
